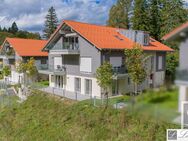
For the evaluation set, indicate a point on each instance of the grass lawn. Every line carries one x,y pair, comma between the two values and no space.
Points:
161,104
48,118
5,100
41,84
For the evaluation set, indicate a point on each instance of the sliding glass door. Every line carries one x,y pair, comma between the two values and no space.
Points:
88,87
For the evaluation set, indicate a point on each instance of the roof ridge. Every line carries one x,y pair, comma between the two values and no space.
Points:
93,24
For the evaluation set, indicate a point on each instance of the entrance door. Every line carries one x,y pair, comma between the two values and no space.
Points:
88,87
115,87
78,85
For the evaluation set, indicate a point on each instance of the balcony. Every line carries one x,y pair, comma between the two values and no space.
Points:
66,48
182,76
119,72
58,70
42,67
1,66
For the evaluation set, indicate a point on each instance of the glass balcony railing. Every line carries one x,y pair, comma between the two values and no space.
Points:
119,70
1,66
182,74
52,68
42,67
70,46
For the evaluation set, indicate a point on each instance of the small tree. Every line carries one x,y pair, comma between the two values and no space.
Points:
31,68
28,69
21,68
104,77
6,70
136,65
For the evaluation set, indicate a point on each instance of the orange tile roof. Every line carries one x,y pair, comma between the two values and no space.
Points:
27,47
175,31
103,37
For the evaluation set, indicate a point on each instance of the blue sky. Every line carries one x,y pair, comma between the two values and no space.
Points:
29,14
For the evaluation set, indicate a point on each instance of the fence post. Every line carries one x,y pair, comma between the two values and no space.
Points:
102,96
76,95
94,101
63,92
53,90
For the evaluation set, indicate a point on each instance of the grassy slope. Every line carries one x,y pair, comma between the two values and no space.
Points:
46,118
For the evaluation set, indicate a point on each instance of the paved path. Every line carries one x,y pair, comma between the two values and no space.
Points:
67,94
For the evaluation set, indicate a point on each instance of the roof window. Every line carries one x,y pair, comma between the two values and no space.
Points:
119,38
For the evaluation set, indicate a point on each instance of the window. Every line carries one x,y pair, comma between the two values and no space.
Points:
85,64
116,61
160,63
77,85
43,61
146,39
88,86
57,62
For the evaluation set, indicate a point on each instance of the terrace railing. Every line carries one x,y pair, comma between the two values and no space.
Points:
182,74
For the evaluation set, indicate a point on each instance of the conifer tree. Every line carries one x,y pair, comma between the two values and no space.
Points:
14,28
155,18
140,19
50,23
118,16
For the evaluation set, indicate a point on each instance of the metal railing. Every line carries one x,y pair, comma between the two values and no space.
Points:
182,74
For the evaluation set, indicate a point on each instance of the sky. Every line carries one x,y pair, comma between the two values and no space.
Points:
30,14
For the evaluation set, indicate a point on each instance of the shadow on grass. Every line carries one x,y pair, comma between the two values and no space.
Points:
159,99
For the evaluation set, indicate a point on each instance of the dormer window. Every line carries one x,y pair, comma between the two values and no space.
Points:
146,39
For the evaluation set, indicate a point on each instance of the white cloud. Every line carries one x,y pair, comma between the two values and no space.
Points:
30,14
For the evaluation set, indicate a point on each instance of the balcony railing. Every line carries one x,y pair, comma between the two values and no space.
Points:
182,74
59,68
1,66
70,46
42,67
119,70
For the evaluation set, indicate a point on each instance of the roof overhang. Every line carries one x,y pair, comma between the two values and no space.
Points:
178,33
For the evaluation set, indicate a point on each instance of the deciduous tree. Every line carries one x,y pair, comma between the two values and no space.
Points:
104,77
136,65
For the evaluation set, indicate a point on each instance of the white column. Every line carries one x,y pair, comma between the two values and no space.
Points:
182,96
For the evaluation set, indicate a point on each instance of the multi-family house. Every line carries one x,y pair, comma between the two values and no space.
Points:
15,49
180,34
77,49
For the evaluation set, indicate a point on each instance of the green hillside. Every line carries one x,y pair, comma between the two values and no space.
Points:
19,34
47,118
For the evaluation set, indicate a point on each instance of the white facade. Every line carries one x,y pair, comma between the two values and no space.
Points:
68,84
